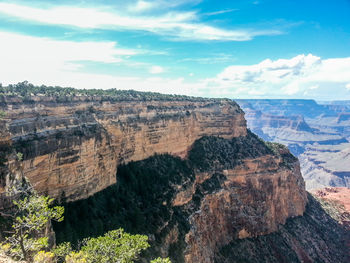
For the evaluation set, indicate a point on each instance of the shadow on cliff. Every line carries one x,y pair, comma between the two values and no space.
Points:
313,237
142,199
142,202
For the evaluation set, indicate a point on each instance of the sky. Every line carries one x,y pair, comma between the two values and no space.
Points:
233,49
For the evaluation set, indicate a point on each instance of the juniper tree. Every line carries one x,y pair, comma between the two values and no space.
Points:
31,216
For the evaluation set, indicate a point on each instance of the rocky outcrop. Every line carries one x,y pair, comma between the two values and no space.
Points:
71,148
184,171
272,195
338,195
10,173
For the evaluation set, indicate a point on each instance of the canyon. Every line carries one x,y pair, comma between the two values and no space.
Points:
184,171
318,134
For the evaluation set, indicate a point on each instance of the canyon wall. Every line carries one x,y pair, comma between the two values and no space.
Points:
226,189
71,149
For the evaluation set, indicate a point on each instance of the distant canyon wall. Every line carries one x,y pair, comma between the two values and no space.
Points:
317,133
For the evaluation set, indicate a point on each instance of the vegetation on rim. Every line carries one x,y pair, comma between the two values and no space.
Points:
26,91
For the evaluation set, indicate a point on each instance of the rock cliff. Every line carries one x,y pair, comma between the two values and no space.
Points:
226,189
71,149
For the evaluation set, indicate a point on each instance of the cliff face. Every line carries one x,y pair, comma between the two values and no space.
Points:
226,189
72,149
255,199
259,191
5,143
9,172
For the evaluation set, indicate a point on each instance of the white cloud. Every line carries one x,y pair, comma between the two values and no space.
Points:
27,47
347,86
212,59
296,77
156,70
291,88
141,6
220,12
267,71
314,87
176,25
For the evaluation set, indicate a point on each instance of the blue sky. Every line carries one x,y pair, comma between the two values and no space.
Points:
235,49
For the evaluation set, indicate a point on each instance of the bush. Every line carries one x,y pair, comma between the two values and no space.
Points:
115,246
76,257
62,250
62,95
44,257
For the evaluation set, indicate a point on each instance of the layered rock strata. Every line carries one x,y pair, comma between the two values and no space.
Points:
71,149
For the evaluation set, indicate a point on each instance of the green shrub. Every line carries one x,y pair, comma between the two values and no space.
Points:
114,246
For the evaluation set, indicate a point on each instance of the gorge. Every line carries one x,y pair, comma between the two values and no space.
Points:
185,171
